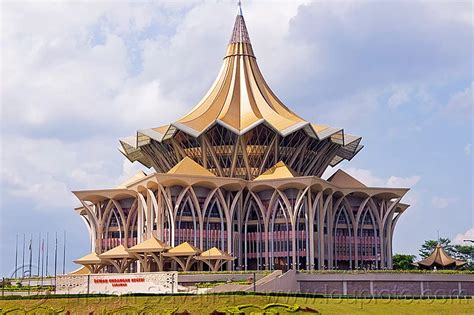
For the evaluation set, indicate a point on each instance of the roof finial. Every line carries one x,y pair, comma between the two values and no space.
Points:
239,3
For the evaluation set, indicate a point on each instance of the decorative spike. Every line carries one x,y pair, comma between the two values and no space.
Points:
240,33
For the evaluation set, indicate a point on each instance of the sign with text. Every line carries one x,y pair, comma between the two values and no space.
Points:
119,283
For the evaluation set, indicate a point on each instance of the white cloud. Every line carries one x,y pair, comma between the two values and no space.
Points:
45,171
468,149
400,96
368,178
461,104
442,202
468,235
405,182
129,170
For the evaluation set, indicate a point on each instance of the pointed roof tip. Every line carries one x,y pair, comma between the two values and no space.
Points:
343,179
240,33
239,4
277,171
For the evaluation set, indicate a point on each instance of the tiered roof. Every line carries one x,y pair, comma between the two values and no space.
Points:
239,100
440,259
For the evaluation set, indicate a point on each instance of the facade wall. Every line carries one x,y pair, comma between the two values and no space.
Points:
295,227
385,284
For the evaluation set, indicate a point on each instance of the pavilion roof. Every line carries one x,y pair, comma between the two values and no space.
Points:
183,249
151,245
214,254
342,179
439,257
187,166
116,253
279,170
89,259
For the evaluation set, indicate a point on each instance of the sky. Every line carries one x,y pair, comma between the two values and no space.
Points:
77,76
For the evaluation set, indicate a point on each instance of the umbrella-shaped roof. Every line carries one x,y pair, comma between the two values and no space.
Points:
188,167
117,252
183,249
151,245
440,258
89,259
214,254
279,170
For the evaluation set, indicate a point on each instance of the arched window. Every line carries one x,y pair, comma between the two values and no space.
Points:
253,238
343,239
214,226
187,223
280,237
368,245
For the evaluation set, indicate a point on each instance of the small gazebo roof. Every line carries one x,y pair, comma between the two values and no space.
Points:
117,252
183,249
439,258
214,254
151,245
89,259
279,170
187,166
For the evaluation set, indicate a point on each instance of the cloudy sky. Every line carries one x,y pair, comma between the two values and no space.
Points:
76,76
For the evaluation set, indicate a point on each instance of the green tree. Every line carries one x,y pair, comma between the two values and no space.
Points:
429,245
466,253
403,262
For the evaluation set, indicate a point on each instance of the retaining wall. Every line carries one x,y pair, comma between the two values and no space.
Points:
384,284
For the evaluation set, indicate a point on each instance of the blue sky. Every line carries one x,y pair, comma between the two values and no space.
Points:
78,76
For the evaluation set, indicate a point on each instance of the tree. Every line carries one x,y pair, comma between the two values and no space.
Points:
466,253
428,247
403,262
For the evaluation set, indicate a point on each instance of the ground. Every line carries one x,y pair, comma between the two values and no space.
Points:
206,304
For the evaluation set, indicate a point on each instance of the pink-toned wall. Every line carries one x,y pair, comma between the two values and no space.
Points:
364,284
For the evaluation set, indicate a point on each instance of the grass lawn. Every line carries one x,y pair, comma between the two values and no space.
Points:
205,304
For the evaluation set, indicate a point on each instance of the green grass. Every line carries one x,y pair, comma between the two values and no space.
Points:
205,304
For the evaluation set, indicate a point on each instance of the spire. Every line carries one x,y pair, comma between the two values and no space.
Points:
239,44
240,33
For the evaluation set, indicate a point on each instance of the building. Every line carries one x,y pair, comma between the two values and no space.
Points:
439,259
241,172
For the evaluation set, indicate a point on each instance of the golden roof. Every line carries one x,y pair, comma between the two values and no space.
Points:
183,249
213,254
115,253
80,271
187,166
240,98
89,259
279,170
150,245
342,179
440,258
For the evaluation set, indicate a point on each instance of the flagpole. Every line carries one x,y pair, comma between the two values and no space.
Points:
16,255
31,261
64,254
23,263
55,259
47,253
42,260
39,253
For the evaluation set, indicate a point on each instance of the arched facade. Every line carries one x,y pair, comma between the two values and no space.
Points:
276,224
242,172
